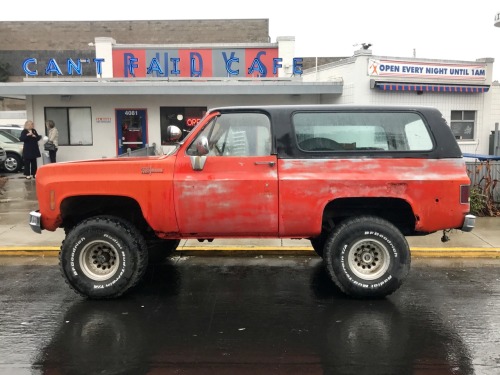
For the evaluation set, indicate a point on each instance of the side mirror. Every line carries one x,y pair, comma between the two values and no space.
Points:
202,150
173,133
202,147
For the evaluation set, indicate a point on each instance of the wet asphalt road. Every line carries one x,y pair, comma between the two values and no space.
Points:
251,316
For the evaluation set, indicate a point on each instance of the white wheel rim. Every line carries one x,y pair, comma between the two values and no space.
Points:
368,259
99,260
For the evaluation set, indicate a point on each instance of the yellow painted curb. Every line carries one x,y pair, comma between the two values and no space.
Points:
29,248
422,252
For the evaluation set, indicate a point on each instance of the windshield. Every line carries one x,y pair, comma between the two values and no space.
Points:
7,138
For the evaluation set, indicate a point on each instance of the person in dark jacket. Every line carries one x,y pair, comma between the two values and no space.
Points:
31,151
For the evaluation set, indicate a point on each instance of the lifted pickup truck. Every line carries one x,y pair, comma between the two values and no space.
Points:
354,180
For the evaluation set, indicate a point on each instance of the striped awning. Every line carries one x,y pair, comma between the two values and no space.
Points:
392,86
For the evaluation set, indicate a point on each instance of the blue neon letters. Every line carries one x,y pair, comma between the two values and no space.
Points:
72,66
132,66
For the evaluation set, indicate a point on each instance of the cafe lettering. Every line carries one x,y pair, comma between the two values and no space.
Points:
238,62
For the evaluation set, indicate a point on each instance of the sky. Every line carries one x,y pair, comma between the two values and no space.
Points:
439,29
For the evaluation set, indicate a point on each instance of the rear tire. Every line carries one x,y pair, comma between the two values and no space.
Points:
103,257
367,257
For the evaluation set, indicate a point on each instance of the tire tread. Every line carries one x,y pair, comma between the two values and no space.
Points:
130,230
344,226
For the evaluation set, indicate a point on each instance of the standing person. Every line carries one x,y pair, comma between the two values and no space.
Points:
53,138
31,152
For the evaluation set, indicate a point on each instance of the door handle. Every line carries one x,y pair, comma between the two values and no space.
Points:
270,163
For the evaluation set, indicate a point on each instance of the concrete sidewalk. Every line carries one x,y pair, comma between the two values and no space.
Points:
18,197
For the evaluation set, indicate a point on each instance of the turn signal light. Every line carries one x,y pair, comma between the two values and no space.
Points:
464,194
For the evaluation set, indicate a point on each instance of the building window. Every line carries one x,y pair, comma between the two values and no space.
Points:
463,124
73,124
186,118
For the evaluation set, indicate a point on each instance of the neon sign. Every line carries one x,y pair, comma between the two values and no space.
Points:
215,62
192,121
72,67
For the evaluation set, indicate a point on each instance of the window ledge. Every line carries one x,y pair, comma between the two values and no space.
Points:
460,142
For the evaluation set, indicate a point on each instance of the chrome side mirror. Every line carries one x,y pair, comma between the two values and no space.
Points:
202,147
173,133
202,150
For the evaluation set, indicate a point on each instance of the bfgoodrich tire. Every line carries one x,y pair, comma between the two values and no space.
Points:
367,257
103,257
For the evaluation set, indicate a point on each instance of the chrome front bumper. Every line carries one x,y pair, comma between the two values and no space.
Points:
469,222
36,221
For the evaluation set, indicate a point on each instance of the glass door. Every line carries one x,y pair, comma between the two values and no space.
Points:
131,129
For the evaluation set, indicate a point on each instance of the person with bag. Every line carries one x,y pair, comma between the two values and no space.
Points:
53,143
31,151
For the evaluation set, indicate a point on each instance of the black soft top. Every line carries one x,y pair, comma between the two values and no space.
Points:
284,137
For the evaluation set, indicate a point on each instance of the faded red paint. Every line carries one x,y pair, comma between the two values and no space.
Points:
431,187
235,197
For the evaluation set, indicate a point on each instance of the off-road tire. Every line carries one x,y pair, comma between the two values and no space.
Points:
159,249
107,235
367,257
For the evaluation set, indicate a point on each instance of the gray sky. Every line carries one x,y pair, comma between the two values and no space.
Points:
444,29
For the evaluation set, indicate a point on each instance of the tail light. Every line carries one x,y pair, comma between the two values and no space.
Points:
464,194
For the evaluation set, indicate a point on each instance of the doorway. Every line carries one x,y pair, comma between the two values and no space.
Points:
131,129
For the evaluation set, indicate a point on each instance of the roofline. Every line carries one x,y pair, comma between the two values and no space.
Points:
166,87
195,46
298,107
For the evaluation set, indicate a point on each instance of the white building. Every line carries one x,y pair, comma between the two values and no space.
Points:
459,89
141,89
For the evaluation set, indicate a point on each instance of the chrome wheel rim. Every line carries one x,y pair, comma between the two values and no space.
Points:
99,260
369,259
10,164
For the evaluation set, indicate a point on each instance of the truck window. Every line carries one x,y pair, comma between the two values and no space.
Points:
237,134
361,131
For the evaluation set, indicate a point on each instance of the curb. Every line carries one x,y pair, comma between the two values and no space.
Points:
419,252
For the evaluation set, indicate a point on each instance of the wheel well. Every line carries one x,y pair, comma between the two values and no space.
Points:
395,210
13,153
76,209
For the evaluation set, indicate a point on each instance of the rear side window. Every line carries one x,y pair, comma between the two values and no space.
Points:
361,131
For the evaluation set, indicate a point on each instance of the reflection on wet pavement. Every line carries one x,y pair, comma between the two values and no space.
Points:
251,316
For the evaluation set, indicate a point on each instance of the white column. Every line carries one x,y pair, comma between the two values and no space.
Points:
286,50
104,50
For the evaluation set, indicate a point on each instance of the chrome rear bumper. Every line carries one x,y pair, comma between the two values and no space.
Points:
36,221
469,222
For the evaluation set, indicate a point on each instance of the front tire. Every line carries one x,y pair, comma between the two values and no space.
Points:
367,257
103,257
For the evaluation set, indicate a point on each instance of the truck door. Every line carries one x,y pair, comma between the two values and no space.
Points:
234,191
